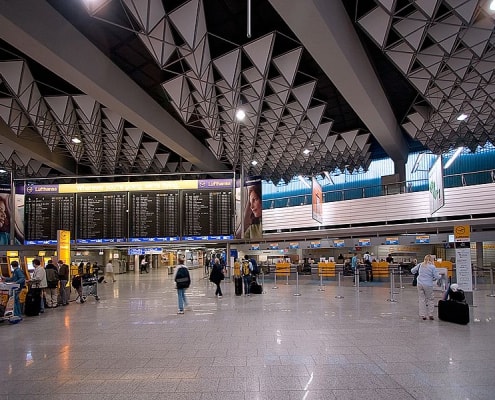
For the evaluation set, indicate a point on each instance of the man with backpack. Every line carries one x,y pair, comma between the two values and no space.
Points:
51,292
246,270
183,281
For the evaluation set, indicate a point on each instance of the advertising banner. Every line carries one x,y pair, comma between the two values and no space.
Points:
435,184
317,201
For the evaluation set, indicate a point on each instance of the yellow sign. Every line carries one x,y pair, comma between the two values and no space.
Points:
12,253
127,186
462,233
63,246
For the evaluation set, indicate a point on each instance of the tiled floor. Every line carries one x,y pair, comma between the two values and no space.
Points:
133,345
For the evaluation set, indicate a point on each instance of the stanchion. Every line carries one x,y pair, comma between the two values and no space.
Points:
475,270
297,284
401,286
356,279
491,284
263,282
339,289
392,284
287,283
321,289
275,284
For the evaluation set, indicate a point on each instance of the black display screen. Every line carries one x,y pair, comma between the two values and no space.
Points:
154,215
207,213
102,217
44,215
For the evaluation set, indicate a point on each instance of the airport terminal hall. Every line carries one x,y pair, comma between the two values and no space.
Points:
247,199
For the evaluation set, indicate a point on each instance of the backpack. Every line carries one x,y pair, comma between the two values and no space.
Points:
256,269
182,278
245,268
51,278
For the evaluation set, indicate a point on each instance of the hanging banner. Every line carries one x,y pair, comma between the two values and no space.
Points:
435,184
317,201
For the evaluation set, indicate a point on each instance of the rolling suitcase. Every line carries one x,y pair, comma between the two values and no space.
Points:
453,311
255,288
238,285
32,303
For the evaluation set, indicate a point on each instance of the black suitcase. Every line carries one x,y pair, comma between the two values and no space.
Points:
32,303
255,288
453,311
238,285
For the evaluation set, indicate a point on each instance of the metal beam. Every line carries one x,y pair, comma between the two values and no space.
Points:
31,144
325,30
39,31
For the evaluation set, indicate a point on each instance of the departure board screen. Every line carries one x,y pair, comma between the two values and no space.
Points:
207,214
101,217
154,216
44,215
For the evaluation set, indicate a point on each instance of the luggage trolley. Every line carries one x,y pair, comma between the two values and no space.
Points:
89,283
7,299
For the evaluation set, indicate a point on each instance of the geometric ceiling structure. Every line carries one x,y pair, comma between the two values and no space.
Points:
153,86
446,49
282,115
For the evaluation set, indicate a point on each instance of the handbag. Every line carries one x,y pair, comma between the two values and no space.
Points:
415,279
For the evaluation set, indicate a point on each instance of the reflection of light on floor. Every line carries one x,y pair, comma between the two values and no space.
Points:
29,359
307,386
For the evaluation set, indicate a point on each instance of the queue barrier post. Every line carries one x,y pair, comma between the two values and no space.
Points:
491,284
392,284
401,286
297,284
321,289
339,289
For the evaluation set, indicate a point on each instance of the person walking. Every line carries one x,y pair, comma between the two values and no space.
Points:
109,272
63,275
217,276
427,274
182,281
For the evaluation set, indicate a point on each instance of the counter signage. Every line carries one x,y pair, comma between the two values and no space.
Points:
293,245
273,246
462,233
464,271
315,244
339,243
423,239
364,242
144,250
392,240
255,246
155,239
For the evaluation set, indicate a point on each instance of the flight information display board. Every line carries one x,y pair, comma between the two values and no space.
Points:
207,214
44,215
101,217
154,216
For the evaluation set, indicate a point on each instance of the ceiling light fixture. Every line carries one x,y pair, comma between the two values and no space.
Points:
492,5
306,151
76,140
463,117
3,171
254,162
454,156
303,180
240,115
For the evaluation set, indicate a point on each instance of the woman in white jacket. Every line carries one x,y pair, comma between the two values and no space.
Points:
427,275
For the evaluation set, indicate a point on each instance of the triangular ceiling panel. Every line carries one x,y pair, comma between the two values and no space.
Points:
259,51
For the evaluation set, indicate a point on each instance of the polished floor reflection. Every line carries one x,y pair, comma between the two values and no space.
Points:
133,345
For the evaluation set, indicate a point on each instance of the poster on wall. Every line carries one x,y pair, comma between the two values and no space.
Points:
249,215
11,210
463,266
317,201
435,186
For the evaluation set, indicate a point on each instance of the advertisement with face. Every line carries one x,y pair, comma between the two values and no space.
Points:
8,215
249,222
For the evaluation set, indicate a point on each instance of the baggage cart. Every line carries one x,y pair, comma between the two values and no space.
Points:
7,301
89,286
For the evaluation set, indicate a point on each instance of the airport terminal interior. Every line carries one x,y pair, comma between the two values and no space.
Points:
310,136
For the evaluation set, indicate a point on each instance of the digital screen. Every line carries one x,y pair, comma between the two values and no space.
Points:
207,213
154,215
101,217
44,215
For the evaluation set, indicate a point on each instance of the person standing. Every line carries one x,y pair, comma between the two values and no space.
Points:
39,282
217,276
182,281
17,277
246,270
52,279
109,272
63,275
368,267
427,274
354,266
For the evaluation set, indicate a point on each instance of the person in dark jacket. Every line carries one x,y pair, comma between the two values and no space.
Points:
217,276
63,275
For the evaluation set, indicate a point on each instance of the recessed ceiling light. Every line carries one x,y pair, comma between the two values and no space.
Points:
492,5
254,162
306,151
76,140
240,115
3,171
462,117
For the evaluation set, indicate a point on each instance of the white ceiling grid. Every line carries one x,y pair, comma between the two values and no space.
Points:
59,119
207,92
446,50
